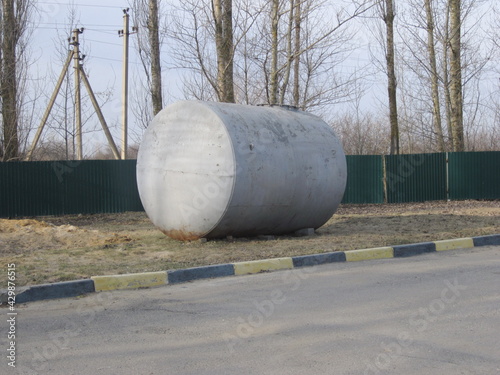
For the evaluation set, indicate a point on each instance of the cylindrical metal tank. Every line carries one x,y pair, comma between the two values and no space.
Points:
208,169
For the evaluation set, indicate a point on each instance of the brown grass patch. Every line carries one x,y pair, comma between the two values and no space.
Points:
50,249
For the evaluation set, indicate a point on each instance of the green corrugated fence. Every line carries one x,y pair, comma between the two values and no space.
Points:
423,177
106,186
415,177
474,175
365,179
68,187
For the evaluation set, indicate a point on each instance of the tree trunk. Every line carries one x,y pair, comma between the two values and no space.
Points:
1,83
296,65
457,128
446,73
8,84
154,40
223,18
434,77
273,81
391,77
289,52
228,51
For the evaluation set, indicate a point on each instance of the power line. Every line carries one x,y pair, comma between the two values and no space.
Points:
108,31
99,41
103,31
116,60
81,5
72,24
104,58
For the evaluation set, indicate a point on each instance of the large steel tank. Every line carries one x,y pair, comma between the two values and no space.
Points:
212,170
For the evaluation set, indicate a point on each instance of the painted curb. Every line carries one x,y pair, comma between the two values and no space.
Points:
257,266
493,239
317,259
148,279
63,289
129,281
459,243
206,272
414,249
368,254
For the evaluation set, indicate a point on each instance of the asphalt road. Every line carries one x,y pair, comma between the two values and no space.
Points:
432,314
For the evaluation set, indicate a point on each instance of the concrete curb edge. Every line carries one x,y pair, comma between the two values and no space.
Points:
148,279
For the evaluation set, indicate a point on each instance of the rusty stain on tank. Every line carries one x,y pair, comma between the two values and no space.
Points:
182,235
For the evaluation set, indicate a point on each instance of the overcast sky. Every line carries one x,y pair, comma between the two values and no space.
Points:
100,43
103,47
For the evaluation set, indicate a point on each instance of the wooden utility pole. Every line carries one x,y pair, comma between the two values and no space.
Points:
78,109
49,107
98,111
125,34
79,75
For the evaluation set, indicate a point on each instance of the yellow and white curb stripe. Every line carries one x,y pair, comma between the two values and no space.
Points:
368,254
129,281
459,243
151,279
256,266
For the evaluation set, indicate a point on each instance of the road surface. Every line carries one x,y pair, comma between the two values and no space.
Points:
437,313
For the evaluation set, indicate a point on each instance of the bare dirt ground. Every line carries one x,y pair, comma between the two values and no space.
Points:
50,249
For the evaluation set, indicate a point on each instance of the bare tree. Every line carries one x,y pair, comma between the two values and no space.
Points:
273,75
296,58
360,131
424,83
154,41
445,40
420,80
269,54
146,17
311,47
388,15
434,75
205,43
456,120
8,81
14,21
191,33
223,21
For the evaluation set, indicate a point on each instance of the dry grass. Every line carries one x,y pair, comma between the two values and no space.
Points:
50,249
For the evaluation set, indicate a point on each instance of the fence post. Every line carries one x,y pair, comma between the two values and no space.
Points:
447,178
384,176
